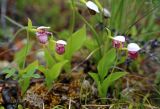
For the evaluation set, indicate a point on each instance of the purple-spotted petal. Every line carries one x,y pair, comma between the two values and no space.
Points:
42,34
43,39
132,54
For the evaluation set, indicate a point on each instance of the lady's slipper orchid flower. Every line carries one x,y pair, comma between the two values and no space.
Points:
106,13
118,41
60,46
42,34
133,49
93,8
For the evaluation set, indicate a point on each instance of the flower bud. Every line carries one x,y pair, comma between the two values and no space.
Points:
60,47
106,13
133,49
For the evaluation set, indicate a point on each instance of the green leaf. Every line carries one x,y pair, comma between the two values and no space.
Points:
29,71
99,86
24,84
121,61
100,91
9,71
105,63
64,34
90,44
51,44
110,80
20,55
26,75
29,24
95,77
53,73
42,68
75,42
32,66
36,76
48,58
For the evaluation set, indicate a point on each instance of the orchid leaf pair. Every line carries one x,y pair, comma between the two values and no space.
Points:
25,75
103,79
52,73
9,72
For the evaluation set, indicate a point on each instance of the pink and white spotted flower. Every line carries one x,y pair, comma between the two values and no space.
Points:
133,49
60,47
42,34
118,41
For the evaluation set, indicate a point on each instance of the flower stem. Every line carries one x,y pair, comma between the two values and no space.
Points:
94,32
27,47
117,56
73,16
83,1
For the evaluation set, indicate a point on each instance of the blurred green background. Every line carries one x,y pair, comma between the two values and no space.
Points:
58,14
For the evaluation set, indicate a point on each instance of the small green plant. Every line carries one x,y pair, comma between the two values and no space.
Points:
57,54
103,79
52,73
24,74
123,23
108,58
